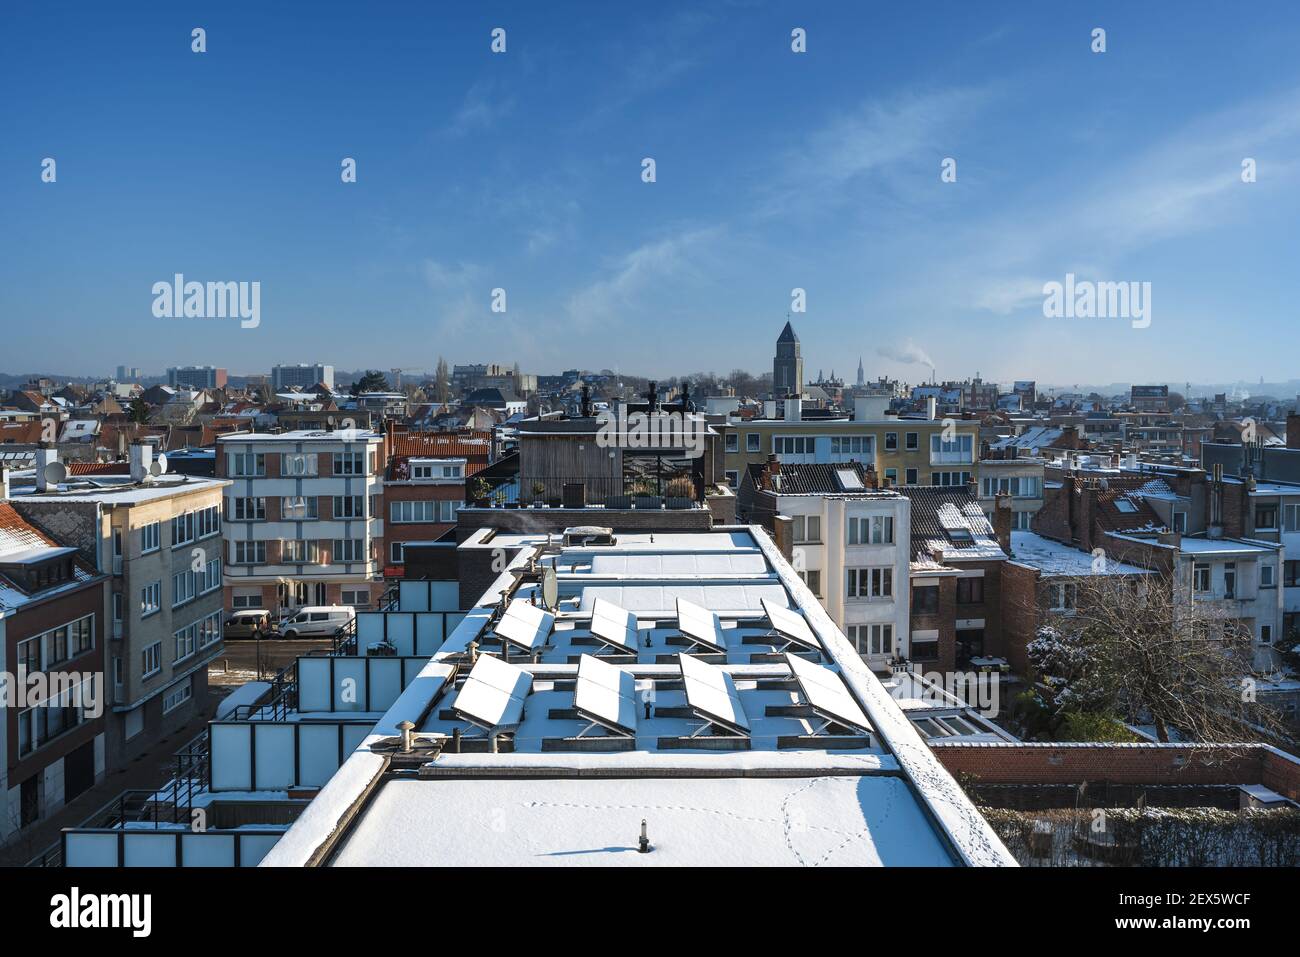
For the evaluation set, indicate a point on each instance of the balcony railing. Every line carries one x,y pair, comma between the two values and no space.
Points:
653,491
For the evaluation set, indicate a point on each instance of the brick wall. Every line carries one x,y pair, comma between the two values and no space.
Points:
1074,763
1020,615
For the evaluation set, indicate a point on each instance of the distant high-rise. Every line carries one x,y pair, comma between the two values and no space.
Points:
862,376
304,376
787,367
196,377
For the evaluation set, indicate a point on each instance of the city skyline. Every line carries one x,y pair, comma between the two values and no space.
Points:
775,171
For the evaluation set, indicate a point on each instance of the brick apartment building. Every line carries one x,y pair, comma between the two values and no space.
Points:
425,485
51,622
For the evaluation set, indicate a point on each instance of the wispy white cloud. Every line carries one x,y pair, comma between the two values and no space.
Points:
485,104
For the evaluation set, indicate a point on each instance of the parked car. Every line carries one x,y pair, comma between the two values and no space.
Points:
316,621
248,623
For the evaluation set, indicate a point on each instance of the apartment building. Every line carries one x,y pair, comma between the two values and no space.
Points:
158,536
845,535
303,518
903,451
304,376
196,377
1005,472
425,486
52,744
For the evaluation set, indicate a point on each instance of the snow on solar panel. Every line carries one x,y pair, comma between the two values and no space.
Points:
606,694
826,694
712,694
790,625
493,694
525,625
613,625
700,624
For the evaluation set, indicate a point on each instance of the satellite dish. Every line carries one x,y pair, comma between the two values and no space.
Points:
55,473
158,466
550,587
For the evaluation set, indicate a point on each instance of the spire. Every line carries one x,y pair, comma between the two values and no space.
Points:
788,334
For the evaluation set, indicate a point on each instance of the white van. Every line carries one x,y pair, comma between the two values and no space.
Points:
316,621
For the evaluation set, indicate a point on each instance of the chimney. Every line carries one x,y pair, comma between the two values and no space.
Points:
769,408
586,401
783,535
793,409
1293,430
141,457
1002,520
4,483
931,408
44,457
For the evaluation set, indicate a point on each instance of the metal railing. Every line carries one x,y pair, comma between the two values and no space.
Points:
650,489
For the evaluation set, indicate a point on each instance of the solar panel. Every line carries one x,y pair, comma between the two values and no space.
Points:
614,626
606,695
700,625
493,694
711,694
826,694
790,625
525,625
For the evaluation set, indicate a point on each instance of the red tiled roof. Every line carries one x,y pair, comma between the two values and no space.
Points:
99,468
474,446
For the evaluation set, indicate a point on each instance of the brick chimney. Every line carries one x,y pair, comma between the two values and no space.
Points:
1293,430
1002,520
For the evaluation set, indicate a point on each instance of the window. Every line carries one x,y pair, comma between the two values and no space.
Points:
174,699
733,442
807,528
117,606
1014,485
298,463
913,441
298,551
150,537
404,512
349,550
395,553
29,655
949,479
182,587
872,639
954,450
207,521
1064,596
150,599
349,506
1229,579
82,635
925,601
349,463
182,529
246,598
210,630
852,444
732,479
151,659
1200,577
250,553
1180,521
185,640
1291,574
1267,575
210,577
794,444
871,530
751,441
970,590
247,464
891,441
870,583
298,507
891,476
1022,520
813,579
913,477
248,509
1291,517
1265,634
356,597
1266,517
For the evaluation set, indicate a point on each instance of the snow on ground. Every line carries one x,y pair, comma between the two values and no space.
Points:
866,820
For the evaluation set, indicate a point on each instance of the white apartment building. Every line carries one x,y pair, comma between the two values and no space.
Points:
850,546
304,376
303,518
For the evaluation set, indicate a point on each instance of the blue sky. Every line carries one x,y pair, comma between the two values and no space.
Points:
775,170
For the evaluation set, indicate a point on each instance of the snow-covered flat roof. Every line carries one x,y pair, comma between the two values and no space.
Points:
1057,560
841,820
120,490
